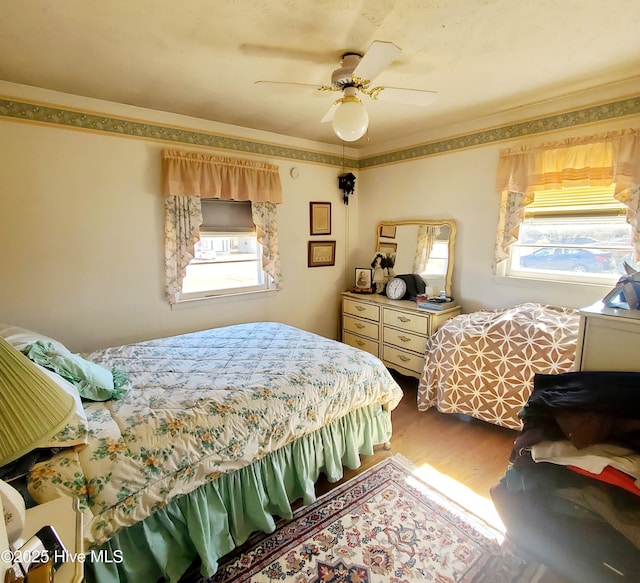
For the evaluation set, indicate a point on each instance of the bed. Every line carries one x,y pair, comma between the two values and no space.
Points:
217,433
482,364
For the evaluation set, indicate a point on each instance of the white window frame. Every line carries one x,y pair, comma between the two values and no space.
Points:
266,284
576,213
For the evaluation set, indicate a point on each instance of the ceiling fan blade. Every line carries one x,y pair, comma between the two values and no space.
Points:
329,115
376,59
408,96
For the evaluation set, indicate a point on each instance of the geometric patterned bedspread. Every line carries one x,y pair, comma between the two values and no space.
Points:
202,404
482,364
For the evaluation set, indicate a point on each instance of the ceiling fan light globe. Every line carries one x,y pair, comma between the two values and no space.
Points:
350,121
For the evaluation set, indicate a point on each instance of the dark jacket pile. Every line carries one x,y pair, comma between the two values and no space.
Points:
584,525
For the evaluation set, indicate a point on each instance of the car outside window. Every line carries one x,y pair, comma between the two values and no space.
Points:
560,240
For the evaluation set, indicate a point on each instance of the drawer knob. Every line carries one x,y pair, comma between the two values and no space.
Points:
359,326
359,343
404,319
403,358
404,338
360,308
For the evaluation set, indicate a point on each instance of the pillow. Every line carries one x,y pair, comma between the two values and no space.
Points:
91,380
20,338
76,431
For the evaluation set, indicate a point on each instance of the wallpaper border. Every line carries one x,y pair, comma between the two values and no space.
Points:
587,115
25,111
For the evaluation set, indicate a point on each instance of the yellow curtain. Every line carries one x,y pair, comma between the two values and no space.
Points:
190,174
611,159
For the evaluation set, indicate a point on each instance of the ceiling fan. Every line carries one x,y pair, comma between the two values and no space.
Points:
349,117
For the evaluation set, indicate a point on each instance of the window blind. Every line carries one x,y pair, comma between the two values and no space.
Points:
574,201
226,216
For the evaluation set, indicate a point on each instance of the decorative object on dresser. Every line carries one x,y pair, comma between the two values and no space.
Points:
396,331
321,253
363,281
381,266
608,339
396,288
413,286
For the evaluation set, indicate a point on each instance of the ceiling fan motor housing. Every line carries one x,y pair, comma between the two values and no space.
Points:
342,77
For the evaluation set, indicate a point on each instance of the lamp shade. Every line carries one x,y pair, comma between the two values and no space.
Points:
33,407
350,119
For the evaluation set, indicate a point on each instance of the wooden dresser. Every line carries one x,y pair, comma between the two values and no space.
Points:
395,331
608,339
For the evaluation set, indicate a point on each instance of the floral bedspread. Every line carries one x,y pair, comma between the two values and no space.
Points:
202,404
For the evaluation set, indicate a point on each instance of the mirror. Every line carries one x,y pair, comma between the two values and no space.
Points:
420,246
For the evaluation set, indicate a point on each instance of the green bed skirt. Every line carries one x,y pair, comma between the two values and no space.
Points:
219,516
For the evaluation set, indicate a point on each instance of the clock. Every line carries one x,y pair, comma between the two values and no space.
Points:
396,288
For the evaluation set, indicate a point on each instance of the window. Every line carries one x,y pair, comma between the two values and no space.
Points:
573,234
228,257
438,259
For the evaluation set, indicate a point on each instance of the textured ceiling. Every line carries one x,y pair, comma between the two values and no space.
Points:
202,57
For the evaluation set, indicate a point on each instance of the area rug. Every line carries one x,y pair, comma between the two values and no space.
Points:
383,526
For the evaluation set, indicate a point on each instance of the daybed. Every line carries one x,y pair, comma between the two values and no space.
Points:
482,364
218,432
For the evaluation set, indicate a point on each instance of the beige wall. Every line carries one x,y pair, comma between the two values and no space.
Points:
81,242
461,186
81,238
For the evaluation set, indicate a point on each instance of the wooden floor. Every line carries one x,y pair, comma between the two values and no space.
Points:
471,452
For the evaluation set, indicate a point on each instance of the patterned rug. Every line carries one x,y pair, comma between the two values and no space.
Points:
382,526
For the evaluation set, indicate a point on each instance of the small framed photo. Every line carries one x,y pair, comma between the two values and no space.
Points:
320,218
387,248
388,231
363,279
321,253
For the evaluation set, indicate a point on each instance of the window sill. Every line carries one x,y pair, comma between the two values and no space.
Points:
222,299
530,282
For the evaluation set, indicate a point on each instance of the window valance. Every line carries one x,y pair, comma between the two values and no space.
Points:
192,174
606,160
600,160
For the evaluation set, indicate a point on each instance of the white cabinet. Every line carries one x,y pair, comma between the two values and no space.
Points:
608,339
395,331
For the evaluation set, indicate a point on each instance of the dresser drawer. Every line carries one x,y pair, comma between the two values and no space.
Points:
408,360
361,343
362,310
405,340
407,321
362,327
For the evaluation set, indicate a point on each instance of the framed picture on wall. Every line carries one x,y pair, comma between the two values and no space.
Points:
320,218
388,231
321,253
387,248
